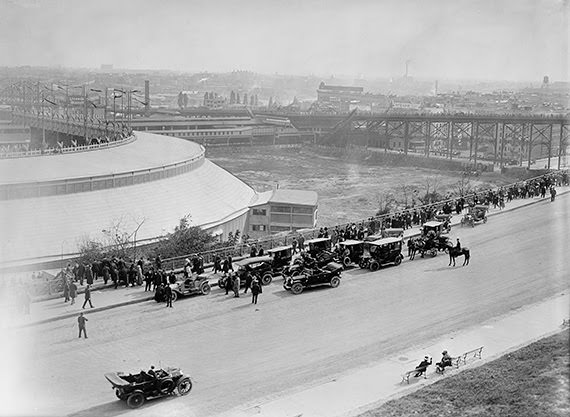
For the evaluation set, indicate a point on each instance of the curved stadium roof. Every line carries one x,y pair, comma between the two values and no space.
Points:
49,225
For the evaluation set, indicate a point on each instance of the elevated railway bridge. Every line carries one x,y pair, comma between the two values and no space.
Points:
500,138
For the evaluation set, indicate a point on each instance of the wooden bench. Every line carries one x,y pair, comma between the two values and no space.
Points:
406,375
462,359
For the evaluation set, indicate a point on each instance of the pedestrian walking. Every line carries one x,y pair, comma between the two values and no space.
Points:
168,295
81,322
256,289
87,296
72,292
248,280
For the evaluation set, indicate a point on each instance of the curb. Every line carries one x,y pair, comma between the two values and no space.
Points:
215,284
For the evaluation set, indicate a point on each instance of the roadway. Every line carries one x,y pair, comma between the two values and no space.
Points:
240,354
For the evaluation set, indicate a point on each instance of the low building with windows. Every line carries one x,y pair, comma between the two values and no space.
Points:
281,210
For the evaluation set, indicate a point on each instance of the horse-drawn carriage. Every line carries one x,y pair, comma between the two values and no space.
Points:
476,213
431,240
381,252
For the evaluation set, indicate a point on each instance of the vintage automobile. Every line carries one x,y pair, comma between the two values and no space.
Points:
350,251
256,265
318,245
446,220
477,213
433,228
381,252
392,232
135,389
327,275
194,285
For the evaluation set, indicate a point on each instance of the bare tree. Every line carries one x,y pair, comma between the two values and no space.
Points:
432,185
406,191
386,202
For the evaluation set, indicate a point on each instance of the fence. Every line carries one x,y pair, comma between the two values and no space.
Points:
243,249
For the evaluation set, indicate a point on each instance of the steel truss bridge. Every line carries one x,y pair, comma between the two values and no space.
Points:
495,137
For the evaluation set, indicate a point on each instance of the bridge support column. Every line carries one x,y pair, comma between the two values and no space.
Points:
549,145
561,145
427,138
530,141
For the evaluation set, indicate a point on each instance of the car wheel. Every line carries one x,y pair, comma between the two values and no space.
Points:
120,394
266,279
398,260
346,261
374,266
174,296
221,283
166,386
205,288
135,400
335,282
433,252
184,386
297,288
362,264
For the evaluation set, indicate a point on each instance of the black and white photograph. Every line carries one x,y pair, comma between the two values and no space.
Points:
270,208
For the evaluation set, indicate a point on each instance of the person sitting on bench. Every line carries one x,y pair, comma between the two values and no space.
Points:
445,361
422,367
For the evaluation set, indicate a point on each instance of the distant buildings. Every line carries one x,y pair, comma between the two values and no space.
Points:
339,97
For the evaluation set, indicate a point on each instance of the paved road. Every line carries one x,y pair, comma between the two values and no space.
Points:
241,354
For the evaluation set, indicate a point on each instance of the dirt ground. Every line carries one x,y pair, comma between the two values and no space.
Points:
347,190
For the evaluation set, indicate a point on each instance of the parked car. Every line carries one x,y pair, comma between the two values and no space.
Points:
350,251
328,275
257,265
135,389
195,285
381,252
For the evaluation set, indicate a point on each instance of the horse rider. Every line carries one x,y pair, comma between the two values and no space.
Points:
458,246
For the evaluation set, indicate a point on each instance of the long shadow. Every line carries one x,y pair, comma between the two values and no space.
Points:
116,408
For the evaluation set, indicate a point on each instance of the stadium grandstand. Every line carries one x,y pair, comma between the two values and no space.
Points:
50,204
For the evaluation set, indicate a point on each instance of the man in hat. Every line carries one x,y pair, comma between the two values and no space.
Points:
87,296
422,367
81,322
458,245
445,361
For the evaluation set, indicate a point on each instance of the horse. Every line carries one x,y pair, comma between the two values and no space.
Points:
414,244
454,253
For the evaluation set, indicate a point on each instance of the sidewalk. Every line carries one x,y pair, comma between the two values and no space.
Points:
106,297
357,392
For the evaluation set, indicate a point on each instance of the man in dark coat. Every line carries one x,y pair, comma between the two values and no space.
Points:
168,295
81,322
256,289
89,274
422,367
72,292
248,280
81,273
87,296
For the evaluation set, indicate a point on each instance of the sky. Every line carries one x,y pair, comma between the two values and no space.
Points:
514,40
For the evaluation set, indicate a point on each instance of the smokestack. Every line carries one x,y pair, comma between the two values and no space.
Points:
147,95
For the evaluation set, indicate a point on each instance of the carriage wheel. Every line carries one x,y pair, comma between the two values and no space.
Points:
433,252
346,261
335,282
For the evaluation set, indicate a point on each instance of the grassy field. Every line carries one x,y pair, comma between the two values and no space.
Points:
533,382
347,190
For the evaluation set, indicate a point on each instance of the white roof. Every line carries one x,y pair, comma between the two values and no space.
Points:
43,226
432,224
147,151
385,241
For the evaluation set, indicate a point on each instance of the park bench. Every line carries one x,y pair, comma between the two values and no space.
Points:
407,374
458,360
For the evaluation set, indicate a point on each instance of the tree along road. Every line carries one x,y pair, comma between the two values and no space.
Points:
240,354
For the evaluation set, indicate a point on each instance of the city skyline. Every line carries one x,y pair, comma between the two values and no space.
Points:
481,40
